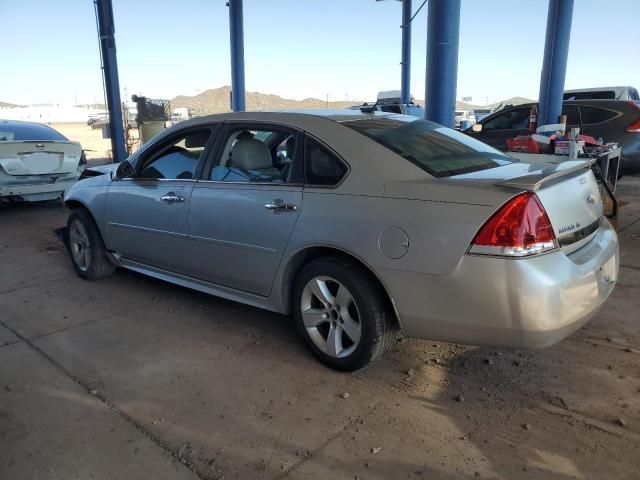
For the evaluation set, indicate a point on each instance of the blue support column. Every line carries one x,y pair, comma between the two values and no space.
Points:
236,31
443,32
107,30
405,93
554,66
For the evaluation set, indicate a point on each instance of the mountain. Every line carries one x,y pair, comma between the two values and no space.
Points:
9,105
217,100
511,101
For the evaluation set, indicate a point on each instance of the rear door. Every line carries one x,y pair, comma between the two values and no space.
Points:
245,207
147,215
596,121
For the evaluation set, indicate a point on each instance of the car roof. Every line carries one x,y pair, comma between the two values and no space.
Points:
301,118
618,89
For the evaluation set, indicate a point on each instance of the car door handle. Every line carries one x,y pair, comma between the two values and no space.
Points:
172,197
287,207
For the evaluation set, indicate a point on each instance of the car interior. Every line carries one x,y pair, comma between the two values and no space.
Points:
179,161
256,156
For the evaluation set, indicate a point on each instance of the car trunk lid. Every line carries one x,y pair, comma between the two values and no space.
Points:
38,158
568,191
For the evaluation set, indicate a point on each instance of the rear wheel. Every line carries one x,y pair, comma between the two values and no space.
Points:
341,313
88,254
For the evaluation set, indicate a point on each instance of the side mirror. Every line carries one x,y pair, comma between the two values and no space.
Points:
476,127
125,170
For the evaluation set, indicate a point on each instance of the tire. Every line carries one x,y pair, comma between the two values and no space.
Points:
319,317
86,247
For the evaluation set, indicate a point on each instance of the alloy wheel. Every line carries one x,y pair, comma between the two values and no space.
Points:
330,316
79,244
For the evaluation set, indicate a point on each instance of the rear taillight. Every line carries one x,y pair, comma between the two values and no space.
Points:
635,126
519,228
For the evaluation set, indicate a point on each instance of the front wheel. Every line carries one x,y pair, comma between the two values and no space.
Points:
341,313
88,254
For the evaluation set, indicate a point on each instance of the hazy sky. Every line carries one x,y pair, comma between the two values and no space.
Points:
302,48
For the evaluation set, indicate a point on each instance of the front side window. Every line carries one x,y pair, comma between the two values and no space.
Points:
322,167
256,155
573,116
517,118
438,150
178,160
391,108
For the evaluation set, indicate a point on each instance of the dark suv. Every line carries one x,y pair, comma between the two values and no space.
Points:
611,120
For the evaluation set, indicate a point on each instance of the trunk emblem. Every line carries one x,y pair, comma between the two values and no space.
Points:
40,146
591,198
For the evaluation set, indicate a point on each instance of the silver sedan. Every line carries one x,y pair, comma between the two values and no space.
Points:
359,225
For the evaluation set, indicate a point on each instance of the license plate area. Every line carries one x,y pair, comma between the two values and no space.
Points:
608,272
38,163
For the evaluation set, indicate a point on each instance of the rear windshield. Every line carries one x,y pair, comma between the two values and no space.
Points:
17,131
440,151
597,95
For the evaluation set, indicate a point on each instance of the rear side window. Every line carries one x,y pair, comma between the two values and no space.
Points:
24,131
596,95
633,95
438,150
322,167
591,115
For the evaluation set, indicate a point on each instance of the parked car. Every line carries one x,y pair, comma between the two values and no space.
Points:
94,117
611,120
36,162
389,101
371,223
463,118
603,93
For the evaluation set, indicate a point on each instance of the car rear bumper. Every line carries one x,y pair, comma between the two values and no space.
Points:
522,303
36,187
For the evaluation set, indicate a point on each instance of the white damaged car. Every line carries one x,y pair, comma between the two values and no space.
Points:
36,162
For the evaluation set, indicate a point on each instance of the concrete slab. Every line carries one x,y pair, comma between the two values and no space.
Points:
7,337
521,443
234,383
69,301
232,390
50,428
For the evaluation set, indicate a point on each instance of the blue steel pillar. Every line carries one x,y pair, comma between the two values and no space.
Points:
236,31
405,93
443,29
554,66
107,30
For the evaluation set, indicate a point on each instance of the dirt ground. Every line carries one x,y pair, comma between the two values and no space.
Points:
94,145
131,378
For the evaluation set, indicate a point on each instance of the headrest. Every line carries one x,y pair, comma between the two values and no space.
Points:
196,139
251,154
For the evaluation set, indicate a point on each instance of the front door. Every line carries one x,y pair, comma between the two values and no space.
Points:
147,214
498,128
244,209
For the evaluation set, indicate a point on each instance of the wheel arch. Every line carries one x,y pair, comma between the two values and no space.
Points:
307,254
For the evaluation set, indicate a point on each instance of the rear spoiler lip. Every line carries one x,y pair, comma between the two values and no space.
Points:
535,181
70,142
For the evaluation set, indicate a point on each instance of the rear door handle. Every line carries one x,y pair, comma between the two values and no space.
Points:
281,206
171,197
